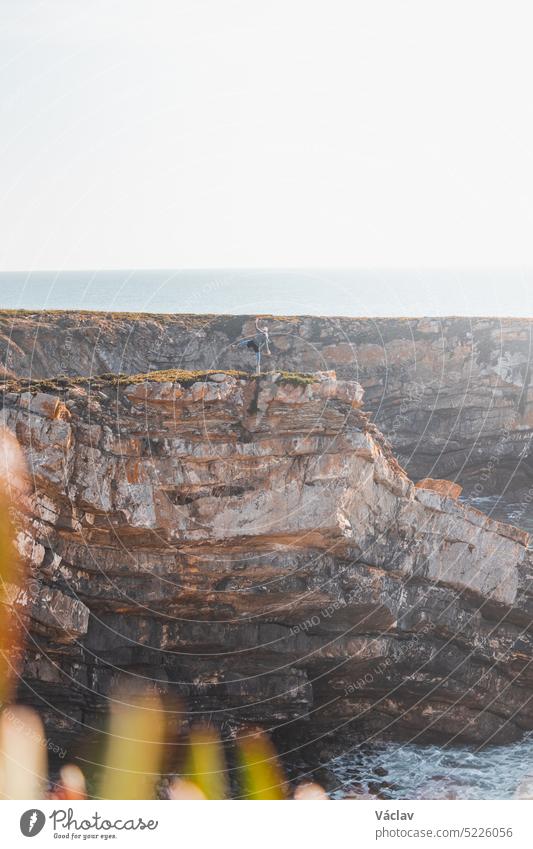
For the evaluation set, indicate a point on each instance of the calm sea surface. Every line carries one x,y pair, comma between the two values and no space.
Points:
322,292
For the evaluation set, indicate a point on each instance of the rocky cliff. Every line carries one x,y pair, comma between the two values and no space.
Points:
253,546
453,395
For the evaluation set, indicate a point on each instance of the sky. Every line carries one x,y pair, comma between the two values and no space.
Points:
250,134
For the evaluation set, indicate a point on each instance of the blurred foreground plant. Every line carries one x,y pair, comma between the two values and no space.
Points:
23,765
262,777
205,766
13,485
132,764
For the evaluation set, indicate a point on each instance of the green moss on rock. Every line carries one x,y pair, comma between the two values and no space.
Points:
300,379
181,376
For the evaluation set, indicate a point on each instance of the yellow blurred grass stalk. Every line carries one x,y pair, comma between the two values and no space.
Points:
134,754
205,765
260,773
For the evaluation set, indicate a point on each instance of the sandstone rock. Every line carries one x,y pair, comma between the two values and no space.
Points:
254,546
67,616
153,393
45,405
447,488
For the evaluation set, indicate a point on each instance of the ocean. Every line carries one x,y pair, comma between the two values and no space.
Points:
285,292
412,771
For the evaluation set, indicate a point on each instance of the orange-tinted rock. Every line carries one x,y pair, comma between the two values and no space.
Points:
254,548
443,487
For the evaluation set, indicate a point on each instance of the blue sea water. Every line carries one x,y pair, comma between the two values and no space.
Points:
435,772
297,291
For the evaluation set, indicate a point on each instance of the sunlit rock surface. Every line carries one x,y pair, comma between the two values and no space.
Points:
254,547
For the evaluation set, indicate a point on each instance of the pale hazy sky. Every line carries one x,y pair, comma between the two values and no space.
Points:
187,133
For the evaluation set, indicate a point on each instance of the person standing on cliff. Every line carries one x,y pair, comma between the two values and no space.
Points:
258,343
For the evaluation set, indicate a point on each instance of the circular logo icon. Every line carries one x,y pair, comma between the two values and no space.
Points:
32,822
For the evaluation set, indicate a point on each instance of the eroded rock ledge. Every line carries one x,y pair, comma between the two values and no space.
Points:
253,546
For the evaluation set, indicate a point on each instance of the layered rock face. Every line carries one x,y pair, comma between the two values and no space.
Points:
253,547
453,395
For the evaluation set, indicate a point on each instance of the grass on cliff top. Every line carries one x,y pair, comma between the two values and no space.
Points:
187,320
184,377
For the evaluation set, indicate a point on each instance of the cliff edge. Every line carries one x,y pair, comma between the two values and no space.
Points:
454,395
